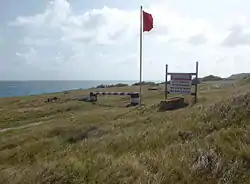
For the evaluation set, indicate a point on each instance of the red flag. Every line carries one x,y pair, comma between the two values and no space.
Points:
147,21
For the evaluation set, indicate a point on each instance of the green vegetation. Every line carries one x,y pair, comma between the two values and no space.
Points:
245,80
77,142
145,83
111,85
211,78
238,76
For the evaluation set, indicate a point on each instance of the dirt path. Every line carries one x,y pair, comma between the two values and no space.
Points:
21,127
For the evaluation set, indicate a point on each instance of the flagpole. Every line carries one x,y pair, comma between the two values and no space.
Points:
141,19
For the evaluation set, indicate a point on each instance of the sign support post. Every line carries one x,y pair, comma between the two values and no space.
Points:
166,83
196,82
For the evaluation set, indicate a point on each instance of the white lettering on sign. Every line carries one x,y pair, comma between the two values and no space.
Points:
180,84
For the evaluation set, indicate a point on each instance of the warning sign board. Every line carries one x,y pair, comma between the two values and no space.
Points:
180,84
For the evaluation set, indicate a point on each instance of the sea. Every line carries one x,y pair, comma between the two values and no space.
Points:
24,88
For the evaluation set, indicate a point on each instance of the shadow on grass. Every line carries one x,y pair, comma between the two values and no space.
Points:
185,104
75,135
102,105
91,131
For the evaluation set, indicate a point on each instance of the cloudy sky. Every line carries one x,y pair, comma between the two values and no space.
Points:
99,39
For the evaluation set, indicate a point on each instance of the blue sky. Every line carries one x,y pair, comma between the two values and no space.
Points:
99,39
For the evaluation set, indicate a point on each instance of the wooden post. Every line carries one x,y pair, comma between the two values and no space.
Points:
196,81
166,83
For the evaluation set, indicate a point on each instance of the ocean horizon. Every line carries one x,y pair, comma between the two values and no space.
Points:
36,87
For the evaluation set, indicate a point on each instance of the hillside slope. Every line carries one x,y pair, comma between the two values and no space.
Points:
211,78
238,76
77,142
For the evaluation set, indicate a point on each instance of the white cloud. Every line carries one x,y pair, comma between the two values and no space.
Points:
197,39
29,56
110,36
109,25
37,42
238,35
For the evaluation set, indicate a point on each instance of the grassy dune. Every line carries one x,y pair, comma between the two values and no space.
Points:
106,143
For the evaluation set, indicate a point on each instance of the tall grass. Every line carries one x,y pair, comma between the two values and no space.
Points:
85,143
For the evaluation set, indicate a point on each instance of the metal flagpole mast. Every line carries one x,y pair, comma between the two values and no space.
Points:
141,20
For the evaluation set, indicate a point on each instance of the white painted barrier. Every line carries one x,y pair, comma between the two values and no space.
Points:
135,96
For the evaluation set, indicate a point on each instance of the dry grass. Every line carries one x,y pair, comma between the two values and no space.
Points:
78,142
